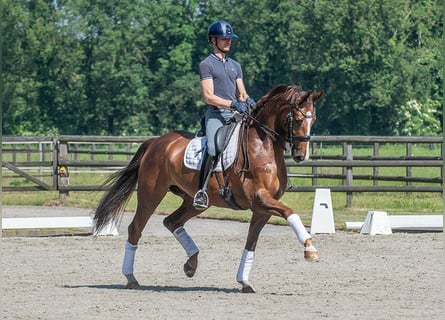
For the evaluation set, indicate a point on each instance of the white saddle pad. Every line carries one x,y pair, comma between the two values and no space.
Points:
197,146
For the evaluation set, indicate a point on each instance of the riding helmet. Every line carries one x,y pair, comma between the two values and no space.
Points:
221,29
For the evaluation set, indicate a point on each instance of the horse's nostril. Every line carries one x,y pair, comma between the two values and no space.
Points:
297,155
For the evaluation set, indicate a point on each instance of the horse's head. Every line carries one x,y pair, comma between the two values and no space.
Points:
290,113
299,120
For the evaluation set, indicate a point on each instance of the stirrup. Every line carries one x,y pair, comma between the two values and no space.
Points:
201,200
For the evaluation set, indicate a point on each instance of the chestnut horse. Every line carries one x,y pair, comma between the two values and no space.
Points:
257,179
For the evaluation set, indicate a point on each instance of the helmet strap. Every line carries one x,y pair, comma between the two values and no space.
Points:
223,51
220,50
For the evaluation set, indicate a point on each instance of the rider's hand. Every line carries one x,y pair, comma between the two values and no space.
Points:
251,103
241,107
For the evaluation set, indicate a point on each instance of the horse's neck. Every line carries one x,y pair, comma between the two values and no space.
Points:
267,125
267,119
267,154
268,143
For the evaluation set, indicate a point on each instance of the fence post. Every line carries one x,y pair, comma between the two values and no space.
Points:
347,152
93,151
110,151
54,161
41,157
314,169
62,170
28,152
442,172
376,169
409,170
128,151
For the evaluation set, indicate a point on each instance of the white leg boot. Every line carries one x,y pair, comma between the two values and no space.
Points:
310,252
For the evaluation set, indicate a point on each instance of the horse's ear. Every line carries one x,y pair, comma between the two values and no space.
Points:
317,96
303,97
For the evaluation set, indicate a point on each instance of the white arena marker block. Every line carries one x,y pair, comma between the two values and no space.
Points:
57,222
322,212
47,222
109,230
376,222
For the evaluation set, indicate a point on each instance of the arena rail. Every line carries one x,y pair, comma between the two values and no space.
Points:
341,163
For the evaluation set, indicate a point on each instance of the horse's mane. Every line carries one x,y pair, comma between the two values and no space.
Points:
278,94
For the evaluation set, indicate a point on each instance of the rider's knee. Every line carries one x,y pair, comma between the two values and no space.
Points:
211,150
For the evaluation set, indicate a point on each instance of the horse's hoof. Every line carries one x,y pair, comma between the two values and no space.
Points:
133,285
189,270
311,256
248,289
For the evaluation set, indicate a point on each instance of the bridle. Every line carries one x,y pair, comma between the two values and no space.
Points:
289,121
289,124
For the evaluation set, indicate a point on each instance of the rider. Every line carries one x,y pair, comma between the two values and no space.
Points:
224,91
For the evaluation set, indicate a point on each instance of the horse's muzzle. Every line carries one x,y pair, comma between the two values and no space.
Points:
298,155
299,159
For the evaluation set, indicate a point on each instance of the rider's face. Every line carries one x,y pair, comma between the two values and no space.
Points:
223,44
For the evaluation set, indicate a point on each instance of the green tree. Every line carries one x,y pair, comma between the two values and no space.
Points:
113,41
175,90
368,63
28,60
114,67
138,65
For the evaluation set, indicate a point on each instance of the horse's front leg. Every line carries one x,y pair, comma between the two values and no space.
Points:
293,219
310,252
256,225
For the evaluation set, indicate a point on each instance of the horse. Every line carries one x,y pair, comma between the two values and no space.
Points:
258,178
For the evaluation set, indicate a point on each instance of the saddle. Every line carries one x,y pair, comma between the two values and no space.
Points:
226,148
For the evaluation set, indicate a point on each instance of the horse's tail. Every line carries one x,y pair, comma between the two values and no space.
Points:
121,185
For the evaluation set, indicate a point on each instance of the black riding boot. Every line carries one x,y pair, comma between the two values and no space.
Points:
201,200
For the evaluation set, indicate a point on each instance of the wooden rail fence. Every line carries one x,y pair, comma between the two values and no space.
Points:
341,163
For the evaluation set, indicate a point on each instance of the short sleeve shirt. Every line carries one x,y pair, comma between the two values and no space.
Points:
223,73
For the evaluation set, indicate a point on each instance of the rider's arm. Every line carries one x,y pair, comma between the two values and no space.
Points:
209,96
241,90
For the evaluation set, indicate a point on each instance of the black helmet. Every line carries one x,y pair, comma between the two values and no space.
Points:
221,29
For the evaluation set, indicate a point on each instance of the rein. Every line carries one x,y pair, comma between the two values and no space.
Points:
268,131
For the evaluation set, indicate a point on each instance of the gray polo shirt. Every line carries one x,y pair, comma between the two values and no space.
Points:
224,75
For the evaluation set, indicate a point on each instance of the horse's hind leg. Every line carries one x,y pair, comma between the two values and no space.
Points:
175,223
147,203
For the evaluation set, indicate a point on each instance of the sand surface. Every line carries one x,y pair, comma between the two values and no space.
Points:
398,276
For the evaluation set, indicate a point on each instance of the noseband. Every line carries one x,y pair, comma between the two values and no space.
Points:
289,120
